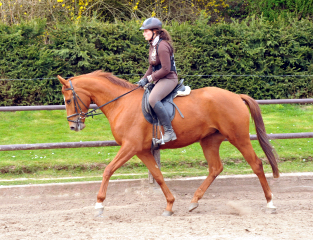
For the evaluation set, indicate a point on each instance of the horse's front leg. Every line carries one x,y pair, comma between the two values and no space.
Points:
148,159
124,154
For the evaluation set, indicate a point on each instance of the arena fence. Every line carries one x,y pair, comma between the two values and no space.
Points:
16,147
37,146
93,106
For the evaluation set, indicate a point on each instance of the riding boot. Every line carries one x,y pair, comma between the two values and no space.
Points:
169,134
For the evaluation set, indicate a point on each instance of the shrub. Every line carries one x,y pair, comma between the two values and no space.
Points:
274,9
223,51
15,11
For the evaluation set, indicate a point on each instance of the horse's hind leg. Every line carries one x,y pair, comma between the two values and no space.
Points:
210,146
148,159
244,145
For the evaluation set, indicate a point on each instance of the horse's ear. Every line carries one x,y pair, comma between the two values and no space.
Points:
62,80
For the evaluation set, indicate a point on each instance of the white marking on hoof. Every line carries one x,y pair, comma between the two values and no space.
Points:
99,205
270,204
193,206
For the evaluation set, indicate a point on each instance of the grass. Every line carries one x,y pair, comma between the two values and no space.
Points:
295,155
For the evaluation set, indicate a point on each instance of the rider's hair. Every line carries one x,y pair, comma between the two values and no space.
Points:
165,36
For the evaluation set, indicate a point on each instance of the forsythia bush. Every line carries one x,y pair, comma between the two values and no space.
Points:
15,11
250,47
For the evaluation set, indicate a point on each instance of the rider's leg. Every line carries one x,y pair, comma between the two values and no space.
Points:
162,88
169,134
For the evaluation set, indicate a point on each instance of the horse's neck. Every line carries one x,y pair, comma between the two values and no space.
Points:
102,92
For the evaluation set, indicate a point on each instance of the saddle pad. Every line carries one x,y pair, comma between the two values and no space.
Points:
184,92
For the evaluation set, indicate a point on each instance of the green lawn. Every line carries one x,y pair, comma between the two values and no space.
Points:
295,155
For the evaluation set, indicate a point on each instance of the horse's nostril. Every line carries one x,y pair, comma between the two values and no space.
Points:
72,128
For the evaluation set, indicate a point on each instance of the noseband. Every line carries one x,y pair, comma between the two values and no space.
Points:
76,100
91,113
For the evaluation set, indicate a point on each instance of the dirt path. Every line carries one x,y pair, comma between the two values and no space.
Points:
232,208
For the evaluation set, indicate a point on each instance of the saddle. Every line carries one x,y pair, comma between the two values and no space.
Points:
151,117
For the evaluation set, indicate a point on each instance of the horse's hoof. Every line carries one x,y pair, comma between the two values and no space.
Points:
98,213
193,206
167,213
270,205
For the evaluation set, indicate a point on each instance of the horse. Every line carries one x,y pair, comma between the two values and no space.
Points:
211,115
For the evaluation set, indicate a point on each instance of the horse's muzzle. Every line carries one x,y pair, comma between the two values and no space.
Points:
77,126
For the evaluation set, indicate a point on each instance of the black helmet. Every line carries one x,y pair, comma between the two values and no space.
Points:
151,23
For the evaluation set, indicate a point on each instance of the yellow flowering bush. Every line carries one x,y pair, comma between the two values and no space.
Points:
180,10
13,11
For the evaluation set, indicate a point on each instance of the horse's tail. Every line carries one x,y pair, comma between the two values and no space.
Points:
261,133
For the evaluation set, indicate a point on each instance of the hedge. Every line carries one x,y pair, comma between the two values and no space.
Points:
33,50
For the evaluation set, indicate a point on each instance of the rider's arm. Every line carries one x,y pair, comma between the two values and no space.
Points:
148,72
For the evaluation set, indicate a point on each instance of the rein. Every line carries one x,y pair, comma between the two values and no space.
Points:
83,115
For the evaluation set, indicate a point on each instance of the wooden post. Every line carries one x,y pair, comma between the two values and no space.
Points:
156,154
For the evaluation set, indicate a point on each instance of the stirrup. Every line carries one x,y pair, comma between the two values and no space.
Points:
172,137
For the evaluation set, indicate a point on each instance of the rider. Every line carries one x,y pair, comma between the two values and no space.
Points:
161,71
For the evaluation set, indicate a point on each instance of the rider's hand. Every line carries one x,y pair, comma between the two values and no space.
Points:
143,82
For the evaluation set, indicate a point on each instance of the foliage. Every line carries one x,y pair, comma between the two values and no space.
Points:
15,11
30,50
251,47
274,9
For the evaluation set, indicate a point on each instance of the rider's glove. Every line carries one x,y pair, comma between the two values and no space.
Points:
143,82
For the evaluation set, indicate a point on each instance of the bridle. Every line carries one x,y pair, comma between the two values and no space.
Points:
78,110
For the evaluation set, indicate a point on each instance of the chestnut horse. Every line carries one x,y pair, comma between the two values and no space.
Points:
211,115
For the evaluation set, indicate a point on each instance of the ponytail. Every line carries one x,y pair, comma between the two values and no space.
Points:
166,36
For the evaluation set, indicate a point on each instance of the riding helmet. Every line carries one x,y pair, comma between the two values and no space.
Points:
151,23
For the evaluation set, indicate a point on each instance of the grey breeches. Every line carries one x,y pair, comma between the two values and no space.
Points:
161,89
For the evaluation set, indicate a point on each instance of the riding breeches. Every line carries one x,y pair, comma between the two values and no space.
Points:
161,89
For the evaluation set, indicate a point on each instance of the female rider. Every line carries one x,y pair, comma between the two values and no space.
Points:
161,71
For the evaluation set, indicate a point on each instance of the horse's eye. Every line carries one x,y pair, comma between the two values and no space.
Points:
68,101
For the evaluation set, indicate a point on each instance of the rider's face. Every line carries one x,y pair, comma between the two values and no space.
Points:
147,33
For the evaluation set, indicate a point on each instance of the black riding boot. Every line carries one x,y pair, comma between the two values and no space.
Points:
169,134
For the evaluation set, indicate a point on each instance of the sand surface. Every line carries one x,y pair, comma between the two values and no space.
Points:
232,208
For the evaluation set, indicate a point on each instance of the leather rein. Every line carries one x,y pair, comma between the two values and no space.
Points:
91,113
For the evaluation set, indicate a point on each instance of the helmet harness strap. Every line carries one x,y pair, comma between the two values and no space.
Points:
152,36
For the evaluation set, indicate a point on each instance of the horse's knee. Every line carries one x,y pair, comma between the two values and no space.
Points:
216,170
107,172
220,169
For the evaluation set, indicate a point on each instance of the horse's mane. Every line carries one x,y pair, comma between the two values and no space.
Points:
113,79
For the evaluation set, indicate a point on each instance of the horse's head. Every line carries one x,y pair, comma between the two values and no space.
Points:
77,103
